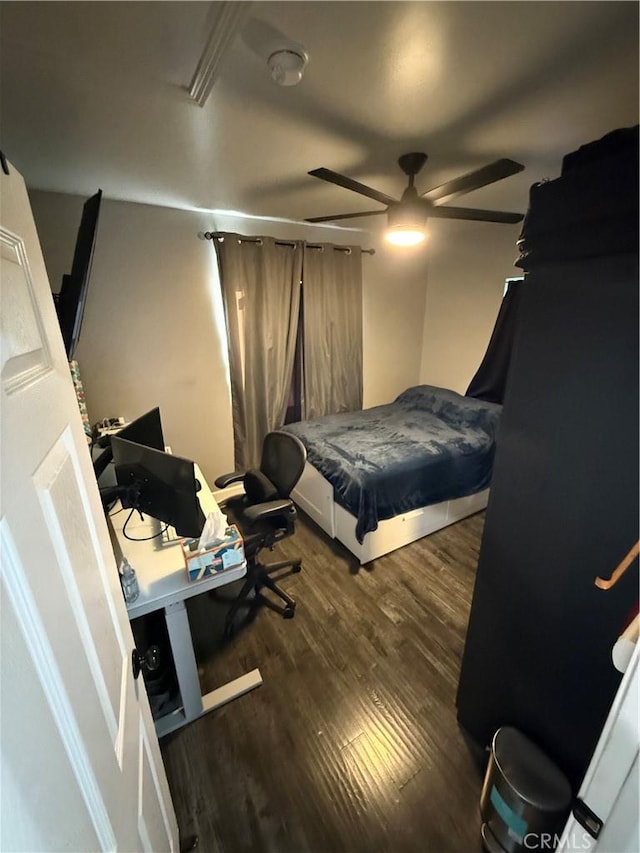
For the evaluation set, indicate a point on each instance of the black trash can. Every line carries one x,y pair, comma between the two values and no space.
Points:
525,798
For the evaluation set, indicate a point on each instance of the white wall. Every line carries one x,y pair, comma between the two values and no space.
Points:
153,330
468,264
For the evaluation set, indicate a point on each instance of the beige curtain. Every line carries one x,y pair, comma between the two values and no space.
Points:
332,322
261,293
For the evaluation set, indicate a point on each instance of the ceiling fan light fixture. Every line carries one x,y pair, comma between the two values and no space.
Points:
403,236
407,223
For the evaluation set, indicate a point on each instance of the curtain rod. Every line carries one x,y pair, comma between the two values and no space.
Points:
212,235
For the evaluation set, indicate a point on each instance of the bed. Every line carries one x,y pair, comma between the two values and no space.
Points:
383,477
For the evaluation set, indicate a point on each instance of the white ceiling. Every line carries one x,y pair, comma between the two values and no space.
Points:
93,95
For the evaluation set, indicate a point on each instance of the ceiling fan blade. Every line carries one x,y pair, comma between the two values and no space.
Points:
345,216
474,180
350,184
475,214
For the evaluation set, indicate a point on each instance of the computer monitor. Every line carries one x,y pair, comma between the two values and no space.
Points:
159,484
147,430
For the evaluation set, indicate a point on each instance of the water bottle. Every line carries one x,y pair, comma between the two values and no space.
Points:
129,582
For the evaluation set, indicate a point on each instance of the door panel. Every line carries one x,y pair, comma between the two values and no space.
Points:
74,726
69,526
25,354
153,822
34,701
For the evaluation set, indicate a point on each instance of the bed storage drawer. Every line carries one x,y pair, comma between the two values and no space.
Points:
405,528
390,534
463,507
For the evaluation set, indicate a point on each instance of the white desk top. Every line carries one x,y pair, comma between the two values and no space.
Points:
159,565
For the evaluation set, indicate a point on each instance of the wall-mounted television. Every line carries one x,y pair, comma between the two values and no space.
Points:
70,301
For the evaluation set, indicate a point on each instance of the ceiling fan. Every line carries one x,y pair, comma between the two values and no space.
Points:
408,216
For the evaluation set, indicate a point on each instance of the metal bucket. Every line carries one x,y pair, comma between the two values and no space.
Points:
525,798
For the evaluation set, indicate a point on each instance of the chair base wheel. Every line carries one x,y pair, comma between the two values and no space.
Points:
296,567
288,612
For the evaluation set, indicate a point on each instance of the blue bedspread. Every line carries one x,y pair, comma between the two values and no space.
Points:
429,445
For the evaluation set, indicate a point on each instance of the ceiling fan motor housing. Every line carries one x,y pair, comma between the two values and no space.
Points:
412,163
409,213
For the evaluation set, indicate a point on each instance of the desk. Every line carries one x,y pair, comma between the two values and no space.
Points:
163,583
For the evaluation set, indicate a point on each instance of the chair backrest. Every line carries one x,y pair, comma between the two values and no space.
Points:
283,460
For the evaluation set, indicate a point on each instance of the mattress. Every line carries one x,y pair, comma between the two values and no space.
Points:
430,445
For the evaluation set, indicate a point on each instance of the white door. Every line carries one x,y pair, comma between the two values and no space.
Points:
610,787
81,766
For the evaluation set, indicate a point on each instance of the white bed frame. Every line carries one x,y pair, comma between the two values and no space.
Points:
314,495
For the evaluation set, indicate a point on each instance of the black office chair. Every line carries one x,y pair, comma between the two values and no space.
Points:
265,515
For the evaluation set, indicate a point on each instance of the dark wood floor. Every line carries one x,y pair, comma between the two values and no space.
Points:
351,744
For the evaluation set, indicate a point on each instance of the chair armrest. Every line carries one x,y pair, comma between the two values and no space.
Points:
279,507
226,479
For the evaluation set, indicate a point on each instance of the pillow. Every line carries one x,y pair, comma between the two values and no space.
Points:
258,487
451,407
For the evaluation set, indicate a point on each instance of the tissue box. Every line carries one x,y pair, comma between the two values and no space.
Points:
229,554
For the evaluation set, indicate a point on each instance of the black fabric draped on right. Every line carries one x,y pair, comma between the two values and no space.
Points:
491,377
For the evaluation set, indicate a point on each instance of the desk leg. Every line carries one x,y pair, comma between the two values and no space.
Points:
184,659
193,703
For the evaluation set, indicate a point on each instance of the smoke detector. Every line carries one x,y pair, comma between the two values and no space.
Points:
286,66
